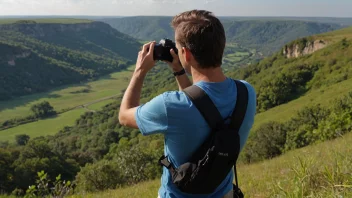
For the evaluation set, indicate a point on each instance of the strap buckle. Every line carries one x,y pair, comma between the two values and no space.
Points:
163,161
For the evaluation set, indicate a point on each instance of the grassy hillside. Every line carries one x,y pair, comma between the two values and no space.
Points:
279,79
323,96
267,36
321,170
38,57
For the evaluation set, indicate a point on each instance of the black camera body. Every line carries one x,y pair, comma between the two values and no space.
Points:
162,50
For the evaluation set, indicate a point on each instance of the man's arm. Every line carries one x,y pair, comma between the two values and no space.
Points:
182,80
131,98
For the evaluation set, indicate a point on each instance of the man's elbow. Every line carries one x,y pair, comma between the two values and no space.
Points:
122,119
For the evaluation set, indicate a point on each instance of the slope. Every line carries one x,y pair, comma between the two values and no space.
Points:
38,57
315,171
301,66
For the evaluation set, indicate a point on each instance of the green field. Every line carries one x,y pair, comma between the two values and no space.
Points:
68,97
322,170
322,96
98,96
58,20
48,126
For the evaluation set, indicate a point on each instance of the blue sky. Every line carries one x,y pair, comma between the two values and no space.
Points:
328,8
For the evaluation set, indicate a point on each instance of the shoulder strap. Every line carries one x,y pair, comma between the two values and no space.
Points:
240,110
237,118
209,111
204,105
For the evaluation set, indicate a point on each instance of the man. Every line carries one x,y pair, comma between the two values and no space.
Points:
200,40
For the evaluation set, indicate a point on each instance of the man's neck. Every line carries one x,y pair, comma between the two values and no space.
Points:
207,75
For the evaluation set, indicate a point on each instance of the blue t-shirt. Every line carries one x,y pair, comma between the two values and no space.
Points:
174,115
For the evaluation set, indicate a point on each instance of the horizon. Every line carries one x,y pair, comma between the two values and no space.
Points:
126,8
112,16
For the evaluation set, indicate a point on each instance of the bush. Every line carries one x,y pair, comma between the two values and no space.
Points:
269,141
22,139
99,176
301,128
45,188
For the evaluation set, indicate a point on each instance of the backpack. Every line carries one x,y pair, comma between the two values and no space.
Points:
212,162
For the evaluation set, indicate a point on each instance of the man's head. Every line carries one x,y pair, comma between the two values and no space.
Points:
200,38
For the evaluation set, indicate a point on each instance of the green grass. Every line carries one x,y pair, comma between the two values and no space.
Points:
322,96
106,87
322,170
49,126
63,98
53,20
99,105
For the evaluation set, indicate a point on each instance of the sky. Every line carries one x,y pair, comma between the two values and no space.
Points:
308,8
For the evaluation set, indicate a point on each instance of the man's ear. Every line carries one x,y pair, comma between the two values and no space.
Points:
187,55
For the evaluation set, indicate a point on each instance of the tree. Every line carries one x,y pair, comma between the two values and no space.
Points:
22,139
43,109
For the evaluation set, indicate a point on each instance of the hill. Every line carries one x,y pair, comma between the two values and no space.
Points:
267,36
333,20
100,154
36,57
43,20
301,66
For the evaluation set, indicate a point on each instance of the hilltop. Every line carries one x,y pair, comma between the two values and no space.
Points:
266,36
44,20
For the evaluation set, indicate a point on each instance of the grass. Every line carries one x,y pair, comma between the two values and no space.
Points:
51,20
322,170
67,97
49,126
322,96
99,105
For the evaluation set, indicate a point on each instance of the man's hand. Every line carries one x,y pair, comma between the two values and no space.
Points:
175,64
145,60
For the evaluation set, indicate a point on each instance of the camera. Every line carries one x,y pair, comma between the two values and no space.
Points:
162,50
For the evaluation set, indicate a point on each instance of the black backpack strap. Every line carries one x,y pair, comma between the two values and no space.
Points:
240,110
237,118
204,105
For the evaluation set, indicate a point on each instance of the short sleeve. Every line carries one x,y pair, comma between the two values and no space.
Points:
151,117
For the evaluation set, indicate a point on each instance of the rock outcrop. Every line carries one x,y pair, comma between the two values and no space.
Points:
303,47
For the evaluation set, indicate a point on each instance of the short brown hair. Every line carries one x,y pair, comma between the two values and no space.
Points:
203,34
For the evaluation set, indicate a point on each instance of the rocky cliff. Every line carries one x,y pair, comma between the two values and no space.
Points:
303,47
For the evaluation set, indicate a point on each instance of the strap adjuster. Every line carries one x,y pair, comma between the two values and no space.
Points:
163,161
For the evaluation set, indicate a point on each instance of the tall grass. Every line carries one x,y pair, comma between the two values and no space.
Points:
322,170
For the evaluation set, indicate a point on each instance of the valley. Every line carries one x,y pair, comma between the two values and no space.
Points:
73,105
301,71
